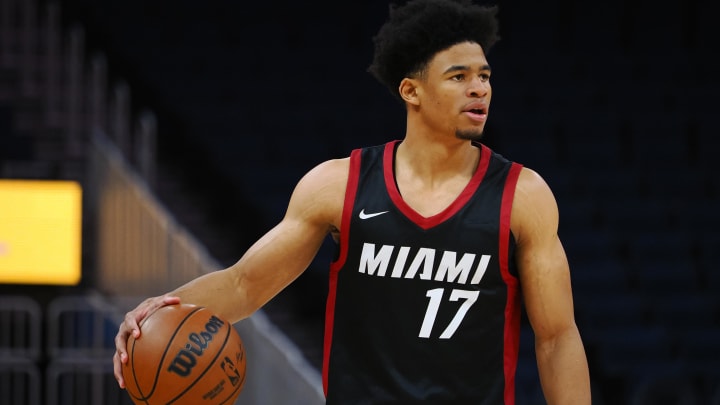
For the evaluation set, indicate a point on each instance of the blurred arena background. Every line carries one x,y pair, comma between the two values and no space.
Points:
186,124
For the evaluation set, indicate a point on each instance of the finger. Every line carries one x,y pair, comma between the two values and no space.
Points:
121,344
117,367
131,325
171,300
151,305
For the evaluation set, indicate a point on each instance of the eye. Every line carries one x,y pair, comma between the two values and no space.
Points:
458,77
484,77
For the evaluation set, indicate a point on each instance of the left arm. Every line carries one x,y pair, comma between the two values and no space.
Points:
545,282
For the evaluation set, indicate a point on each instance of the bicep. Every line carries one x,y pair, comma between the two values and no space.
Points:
283,253
542,263
278,258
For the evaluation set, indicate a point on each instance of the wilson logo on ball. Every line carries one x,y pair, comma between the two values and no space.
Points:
185,359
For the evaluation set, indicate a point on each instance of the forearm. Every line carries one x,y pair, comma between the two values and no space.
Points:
563,369
219,292
263,271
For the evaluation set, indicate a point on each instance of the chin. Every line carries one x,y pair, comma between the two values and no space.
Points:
470,135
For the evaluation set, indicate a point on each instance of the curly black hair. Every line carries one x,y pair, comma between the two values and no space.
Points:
418,30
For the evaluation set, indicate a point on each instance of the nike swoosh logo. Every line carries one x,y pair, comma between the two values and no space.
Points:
363,215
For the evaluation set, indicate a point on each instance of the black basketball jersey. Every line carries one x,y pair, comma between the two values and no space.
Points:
423,310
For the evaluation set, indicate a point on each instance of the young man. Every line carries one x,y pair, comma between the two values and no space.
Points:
438,240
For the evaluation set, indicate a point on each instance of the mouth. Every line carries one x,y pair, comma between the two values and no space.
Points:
476,112
476,108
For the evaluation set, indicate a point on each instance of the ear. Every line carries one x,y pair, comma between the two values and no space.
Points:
408,90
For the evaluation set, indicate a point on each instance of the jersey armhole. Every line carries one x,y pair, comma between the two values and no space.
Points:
335,266
513,305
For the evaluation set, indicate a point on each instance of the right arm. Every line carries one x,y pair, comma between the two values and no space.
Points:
273,262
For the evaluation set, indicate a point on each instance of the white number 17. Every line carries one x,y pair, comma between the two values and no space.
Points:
435,298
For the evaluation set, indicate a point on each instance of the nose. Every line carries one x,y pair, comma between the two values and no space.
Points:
478,87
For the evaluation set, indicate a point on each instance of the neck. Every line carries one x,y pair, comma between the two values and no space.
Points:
435,160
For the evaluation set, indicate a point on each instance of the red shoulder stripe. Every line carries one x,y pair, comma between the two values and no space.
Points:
512,308
350,192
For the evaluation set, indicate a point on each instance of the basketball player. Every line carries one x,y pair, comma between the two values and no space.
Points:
438,240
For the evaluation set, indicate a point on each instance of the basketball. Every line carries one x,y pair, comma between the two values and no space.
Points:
185,355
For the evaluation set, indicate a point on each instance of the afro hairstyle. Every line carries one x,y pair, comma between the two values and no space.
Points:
418,30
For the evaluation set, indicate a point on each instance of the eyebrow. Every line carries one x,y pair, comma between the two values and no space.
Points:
456,68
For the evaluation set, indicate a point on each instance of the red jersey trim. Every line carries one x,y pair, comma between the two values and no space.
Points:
512,308
350,192
449,211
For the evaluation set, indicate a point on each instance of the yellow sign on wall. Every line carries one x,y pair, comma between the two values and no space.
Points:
40,232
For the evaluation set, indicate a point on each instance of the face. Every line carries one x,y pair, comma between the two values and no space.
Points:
454,93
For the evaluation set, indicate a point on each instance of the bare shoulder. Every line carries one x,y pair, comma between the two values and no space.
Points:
330,171
320,193
326,180
530,183
534,205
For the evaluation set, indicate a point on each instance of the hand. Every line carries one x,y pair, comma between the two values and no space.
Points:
131,325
